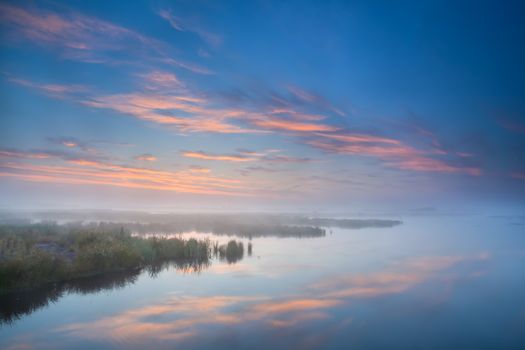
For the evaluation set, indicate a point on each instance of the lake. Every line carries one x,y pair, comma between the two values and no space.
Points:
435,282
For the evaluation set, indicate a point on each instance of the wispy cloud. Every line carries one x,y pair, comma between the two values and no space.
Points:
242,155
78,37
71,169
12,153
60,91
185,111
519,175
82,38
512,125
199,169
314,99
147,157
433,165
72,143
282,124
220,157
392,152
280,158
195,68
182,25
160,80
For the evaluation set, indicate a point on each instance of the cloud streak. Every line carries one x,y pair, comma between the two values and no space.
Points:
146,157
221,157
391,152
82,38
181,25
81,171
242,156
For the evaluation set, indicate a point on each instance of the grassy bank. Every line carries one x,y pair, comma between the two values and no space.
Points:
32,255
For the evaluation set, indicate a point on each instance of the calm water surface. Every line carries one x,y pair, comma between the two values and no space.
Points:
431,283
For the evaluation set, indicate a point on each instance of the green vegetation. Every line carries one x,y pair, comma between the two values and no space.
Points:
32,255
231,252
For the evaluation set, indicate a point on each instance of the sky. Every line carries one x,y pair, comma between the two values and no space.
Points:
262,105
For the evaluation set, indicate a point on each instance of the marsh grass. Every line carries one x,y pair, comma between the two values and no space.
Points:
33,255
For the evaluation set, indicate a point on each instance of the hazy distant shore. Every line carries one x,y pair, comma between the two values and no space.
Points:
35,250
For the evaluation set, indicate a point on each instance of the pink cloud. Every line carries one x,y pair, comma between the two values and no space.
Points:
281,124
433,165
390,151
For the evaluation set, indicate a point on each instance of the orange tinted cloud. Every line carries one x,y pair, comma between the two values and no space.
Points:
281,124
396,279
187,112
359,138
208,156
136,325
293,305
181,316
89,172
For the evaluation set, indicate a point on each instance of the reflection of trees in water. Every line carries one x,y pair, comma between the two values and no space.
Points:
246,226
14,306
231,252
182,266
243,230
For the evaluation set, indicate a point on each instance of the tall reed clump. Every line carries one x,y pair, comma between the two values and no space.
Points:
36,254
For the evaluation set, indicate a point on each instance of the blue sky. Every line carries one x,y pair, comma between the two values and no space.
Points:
261,105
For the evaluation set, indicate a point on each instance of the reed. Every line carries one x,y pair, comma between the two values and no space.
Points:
32,255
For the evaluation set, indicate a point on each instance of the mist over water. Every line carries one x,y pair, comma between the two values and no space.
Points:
445,282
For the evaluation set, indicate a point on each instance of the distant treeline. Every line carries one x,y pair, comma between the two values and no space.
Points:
347,223
241,225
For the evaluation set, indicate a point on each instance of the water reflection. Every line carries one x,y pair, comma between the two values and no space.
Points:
422,285
224,228
183,318
231,252
14,306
